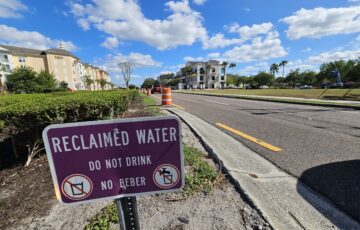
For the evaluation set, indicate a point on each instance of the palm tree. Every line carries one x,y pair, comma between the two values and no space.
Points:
2,68
224,64
102,82
283,64
88,81
232,65
274,68
187,70
208,68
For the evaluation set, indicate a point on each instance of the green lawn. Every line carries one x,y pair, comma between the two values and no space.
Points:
336,94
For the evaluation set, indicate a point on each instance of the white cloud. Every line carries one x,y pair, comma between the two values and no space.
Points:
213,55
334,56
319,22
84,24
30,39
11,8
124,20
219,41
259,49
245,33
248,32
111,62
199,2
306,50
111,43
193,59
179,7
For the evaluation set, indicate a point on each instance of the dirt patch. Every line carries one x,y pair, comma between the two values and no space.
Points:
22,190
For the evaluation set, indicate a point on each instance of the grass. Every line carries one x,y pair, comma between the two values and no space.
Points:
343,94
150,105
200,177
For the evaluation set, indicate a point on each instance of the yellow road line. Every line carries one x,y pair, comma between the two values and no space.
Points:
250,138
178,106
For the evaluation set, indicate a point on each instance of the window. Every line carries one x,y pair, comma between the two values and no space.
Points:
222,78
7,68
213,78
213,70
222,70
201,78
6,58
202,71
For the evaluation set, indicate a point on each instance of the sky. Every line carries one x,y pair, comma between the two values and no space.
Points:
160,36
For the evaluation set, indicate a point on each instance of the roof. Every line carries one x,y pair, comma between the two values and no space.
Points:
34,52
3,50
22,51
60,52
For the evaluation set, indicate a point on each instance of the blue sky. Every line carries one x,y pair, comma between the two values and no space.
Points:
160,36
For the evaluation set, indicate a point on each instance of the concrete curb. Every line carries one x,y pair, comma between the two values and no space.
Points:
283,200
279,100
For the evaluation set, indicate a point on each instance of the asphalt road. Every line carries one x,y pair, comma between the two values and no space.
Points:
320,145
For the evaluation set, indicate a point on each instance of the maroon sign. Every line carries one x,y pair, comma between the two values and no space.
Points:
116,158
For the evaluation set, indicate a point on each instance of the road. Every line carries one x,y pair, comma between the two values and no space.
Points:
319,145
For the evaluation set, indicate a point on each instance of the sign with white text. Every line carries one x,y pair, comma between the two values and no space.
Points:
115,158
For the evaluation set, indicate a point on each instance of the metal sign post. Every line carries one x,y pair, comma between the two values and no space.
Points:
128,214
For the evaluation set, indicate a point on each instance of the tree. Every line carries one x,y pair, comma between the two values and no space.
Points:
279,81
274,68
354,73
293,77
232,65
166,78
283,64
207,74
2,69
187,70
63,86
126,70
148,83
45,82
308,77
102,83
22,80
263,78
241,80
231,79
88,82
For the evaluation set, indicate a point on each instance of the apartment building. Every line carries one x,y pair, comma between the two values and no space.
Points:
203,75
5,64
63,64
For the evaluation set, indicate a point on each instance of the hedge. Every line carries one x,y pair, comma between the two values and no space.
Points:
26,115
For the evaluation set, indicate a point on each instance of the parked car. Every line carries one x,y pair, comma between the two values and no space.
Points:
306,87
156,89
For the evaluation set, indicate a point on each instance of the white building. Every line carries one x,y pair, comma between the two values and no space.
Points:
5,64
203,75
80,73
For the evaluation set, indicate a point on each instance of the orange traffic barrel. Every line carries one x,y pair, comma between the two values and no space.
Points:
166,96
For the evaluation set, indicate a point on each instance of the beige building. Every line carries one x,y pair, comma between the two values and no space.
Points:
64,65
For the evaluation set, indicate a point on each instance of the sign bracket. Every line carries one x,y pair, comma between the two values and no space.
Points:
128,214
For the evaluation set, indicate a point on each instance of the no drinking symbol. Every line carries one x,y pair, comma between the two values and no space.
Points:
77,187
166,176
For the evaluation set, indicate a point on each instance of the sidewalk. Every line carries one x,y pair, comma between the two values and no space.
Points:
295,100
285,201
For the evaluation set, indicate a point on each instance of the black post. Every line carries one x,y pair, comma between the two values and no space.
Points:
128,214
